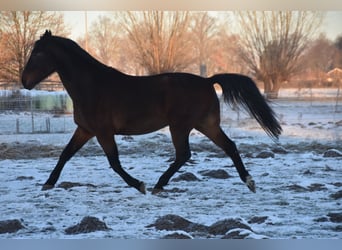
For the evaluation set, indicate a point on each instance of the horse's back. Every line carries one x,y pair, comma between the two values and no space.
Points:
188,98
138,105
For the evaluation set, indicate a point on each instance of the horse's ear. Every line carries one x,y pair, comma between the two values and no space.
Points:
46,34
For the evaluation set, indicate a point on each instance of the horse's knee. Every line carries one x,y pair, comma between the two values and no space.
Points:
181,160
187,156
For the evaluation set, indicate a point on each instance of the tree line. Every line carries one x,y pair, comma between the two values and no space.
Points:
272,47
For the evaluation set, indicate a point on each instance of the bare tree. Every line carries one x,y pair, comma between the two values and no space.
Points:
18,31
226,56
204,30
338,56
159,39
272,43
104,39
320,58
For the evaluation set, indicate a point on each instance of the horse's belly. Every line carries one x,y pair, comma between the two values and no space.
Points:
138,125
137,128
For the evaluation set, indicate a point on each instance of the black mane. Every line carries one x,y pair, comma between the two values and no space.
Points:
71,47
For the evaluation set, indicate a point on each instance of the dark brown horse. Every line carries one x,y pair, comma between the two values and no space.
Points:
108,102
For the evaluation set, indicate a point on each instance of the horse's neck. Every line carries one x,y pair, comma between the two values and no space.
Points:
80,72
81,79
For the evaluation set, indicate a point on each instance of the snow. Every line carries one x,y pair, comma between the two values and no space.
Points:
310,128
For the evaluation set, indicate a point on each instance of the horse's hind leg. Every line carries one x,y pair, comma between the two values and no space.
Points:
108,144
180,139
79,138
216,134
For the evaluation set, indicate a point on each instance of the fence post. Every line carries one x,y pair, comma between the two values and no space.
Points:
337,96
17,126
32,117
47,121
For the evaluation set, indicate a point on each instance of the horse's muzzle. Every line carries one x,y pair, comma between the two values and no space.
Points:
26,83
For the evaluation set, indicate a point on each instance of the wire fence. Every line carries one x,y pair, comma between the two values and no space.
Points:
46,111
22,111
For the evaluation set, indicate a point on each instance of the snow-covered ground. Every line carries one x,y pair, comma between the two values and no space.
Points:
296,188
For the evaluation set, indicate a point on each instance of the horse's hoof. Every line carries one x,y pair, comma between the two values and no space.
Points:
250,183
157,190
47,187
142,188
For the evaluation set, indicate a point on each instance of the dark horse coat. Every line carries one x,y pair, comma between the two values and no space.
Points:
108,102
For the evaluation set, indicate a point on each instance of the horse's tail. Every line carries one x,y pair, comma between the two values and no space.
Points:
240,89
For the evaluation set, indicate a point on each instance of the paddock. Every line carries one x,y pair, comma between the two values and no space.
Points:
299,187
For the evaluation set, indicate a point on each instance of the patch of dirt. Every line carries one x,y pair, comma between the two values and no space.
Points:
177,236
236,234
217,174
312,188
297,188
335,217
67,185
314,146
257,219
173,222
337,195
321,219
223,226
279,150
87,225
186,177
308,172
265,154
317,187
338,228
23,178
160,145
10,226
332,153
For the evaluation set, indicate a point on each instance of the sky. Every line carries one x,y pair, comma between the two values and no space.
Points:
76,20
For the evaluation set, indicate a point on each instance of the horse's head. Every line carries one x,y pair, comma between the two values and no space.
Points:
40,64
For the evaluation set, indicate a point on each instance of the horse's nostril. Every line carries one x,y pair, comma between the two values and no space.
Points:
25,83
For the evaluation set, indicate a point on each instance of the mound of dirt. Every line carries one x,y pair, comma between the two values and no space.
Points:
217,174
265,154
10,226
335,217
312,188
223,226
337,195
279,150
257,219
236,234
67,185
173,222
332,153
177,236
88,224
186,177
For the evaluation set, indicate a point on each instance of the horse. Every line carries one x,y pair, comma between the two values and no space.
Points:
108,102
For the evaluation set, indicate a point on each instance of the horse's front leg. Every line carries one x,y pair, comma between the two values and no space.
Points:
108,145
180,139
79,138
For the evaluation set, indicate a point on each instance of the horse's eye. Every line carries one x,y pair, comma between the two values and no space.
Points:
37,54
36,57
